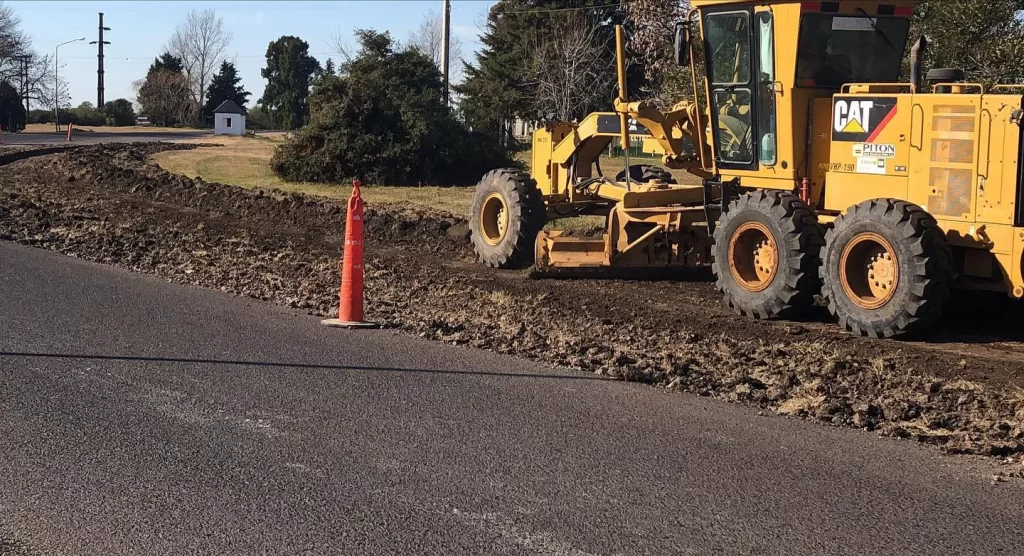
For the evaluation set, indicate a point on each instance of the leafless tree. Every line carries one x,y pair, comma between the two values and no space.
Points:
12,39
428,39
166,97
569,68
652,23
200,41
342,46
16,53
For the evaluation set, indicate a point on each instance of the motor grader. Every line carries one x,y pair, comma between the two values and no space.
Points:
817,171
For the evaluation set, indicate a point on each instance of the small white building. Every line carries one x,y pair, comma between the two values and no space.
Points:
228,119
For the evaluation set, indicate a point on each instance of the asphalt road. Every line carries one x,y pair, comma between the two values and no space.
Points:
140,417
93,137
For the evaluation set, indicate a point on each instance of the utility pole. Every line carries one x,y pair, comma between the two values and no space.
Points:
446,28
25,83
99,69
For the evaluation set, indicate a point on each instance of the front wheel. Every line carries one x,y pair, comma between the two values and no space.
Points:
887,269
766,254
507,214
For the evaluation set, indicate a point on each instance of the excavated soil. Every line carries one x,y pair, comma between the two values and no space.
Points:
959,389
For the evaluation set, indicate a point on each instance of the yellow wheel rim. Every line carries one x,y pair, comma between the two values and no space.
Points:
869,270
753,257
493,219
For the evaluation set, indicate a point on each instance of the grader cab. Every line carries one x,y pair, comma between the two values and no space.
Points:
816,171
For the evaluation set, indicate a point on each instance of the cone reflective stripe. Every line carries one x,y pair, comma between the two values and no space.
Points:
350,307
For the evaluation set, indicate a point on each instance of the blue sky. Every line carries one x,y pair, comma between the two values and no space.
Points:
140,29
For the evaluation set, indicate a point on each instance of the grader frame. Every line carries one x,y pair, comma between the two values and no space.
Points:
819,171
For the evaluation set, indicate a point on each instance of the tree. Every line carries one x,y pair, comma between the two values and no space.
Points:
383,120
652,39
199,42
428,39
167,61
12,112
569,71
119,112
165,97
226,85
288,72
329,68
985,38
16,55
497,87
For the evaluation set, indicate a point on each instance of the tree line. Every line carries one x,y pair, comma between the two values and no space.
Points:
26,76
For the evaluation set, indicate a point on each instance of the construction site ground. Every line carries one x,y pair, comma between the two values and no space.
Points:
959,388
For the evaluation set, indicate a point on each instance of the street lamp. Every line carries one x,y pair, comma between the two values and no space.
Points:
56,83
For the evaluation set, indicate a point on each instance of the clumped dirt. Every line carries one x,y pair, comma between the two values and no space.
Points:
959,389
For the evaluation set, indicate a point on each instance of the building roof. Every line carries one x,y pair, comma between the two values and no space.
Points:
228,107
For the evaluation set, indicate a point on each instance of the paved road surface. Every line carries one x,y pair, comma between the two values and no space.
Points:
100,137
157,419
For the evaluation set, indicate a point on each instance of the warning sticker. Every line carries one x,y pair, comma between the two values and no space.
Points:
870,165
874,151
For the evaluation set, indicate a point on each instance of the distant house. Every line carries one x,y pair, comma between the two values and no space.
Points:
228,119
142,121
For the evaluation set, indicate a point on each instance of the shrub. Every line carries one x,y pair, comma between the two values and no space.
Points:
384,121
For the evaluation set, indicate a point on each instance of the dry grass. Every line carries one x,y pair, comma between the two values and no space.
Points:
245,162
48,128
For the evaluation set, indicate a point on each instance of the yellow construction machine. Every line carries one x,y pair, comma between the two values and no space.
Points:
819,172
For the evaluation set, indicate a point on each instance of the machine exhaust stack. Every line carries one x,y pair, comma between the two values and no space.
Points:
916,59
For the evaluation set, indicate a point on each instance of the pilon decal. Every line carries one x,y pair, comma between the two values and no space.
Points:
861,119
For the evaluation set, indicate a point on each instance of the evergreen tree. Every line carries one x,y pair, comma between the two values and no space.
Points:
225,85
167,61
384,120
288,73
12,111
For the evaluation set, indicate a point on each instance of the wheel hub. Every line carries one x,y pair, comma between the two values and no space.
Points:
494,219
753,256
869,270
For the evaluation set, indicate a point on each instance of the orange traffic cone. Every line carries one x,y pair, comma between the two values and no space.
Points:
350,310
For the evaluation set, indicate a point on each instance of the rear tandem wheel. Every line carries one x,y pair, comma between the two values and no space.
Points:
887,269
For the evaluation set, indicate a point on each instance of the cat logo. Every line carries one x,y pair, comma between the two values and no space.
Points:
861,119
853,116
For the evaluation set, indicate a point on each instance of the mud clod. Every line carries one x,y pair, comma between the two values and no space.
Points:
106,203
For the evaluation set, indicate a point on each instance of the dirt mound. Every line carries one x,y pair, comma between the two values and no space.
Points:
107,203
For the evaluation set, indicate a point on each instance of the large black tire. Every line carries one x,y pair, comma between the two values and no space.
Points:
791,241
916,295
510,245
643,173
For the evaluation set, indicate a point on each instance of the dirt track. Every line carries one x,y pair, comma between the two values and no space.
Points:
960,389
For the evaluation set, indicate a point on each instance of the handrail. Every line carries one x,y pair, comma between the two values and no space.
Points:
846,87
979,86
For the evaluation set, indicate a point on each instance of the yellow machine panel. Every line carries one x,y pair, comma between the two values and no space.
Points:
819,172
